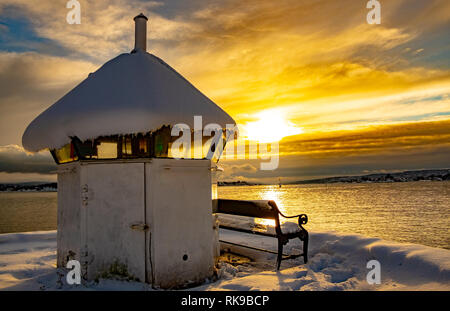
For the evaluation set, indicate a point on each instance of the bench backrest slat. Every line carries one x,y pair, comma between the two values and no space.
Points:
258,209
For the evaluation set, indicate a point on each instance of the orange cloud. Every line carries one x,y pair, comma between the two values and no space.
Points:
372,139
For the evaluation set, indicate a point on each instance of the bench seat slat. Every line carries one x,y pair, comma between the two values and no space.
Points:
239,215
247,224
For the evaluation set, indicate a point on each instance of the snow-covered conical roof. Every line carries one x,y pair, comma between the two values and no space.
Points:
133,93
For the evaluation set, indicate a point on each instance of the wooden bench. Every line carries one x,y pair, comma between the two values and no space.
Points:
266,209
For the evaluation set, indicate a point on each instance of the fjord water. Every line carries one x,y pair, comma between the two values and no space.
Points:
27,211
412,212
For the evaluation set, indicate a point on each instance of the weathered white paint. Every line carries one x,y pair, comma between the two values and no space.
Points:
179,214
98,202
115,202
68,219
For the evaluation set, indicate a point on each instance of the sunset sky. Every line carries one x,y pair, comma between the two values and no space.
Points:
354,98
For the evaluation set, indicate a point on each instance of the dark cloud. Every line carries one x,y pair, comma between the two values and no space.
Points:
301,167
237,170
13,159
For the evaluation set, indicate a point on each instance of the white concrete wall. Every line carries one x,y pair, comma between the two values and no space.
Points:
68,219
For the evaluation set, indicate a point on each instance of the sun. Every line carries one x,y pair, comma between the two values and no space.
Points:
271,126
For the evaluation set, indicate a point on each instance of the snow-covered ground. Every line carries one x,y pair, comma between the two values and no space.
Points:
336,262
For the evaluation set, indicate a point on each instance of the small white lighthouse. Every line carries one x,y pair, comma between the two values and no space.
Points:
125,205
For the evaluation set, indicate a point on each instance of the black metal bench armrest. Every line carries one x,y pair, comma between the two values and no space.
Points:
302,218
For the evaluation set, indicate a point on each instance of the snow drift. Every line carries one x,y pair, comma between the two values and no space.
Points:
336,262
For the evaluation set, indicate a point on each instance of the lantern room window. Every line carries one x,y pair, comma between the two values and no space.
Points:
127,148
156,144
107,150
65,154
85,150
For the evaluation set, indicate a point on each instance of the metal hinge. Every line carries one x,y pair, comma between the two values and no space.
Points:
139,227
84,195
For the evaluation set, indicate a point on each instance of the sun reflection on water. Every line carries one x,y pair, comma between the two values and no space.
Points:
273,193
415,212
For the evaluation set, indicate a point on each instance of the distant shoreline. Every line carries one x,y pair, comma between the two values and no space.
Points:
29,187
406,176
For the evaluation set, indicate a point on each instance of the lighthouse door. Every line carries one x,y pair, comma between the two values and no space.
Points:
115,221
180,218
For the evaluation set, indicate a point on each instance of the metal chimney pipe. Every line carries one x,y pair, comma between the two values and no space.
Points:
140,32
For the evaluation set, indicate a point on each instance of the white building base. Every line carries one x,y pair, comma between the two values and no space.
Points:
148,220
